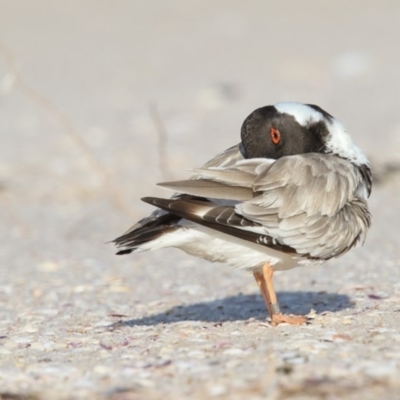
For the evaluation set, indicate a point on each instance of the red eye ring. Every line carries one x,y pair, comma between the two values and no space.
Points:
275,135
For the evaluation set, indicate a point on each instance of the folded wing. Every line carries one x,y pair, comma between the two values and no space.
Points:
307,203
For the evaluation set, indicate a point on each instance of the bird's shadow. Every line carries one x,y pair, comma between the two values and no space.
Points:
244,306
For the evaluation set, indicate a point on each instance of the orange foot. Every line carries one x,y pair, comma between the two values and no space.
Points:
288,319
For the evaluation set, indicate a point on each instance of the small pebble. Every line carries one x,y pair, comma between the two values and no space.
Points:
234,352
217,390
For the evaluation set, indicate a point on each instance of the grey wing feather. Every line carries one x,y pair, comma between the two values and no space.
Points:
318,184
209,188
225,159
231,183
313,198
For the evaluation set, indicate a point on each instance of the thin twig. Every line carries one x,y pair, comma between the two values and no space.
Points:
162,142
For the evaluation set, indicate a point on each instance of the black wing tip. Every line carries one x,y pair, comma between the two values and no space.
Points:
122,252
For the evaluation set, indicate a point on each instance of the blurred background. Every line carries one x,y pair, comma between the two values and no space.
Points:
92,91
100,100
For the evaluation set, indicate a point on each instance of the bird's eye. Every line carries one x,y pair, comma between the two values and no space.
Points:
275,135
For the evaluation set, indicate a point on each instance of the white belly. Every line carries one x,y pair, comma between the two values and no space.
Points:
215,246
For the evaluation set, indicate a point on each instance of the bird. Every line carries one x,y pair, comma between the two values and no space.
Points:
292,192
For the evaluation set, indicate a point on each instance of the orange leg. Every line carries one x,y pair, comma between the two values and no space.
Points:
265,283
259,277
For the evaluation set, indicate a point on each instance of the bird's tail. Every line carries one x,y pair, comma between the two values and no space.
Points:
145,234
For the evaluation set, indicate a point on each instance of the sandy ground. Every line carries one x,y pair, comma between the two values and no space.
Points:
88,92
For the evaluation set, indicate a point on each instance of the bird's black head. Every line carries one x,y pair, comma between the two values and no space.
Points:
283,130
